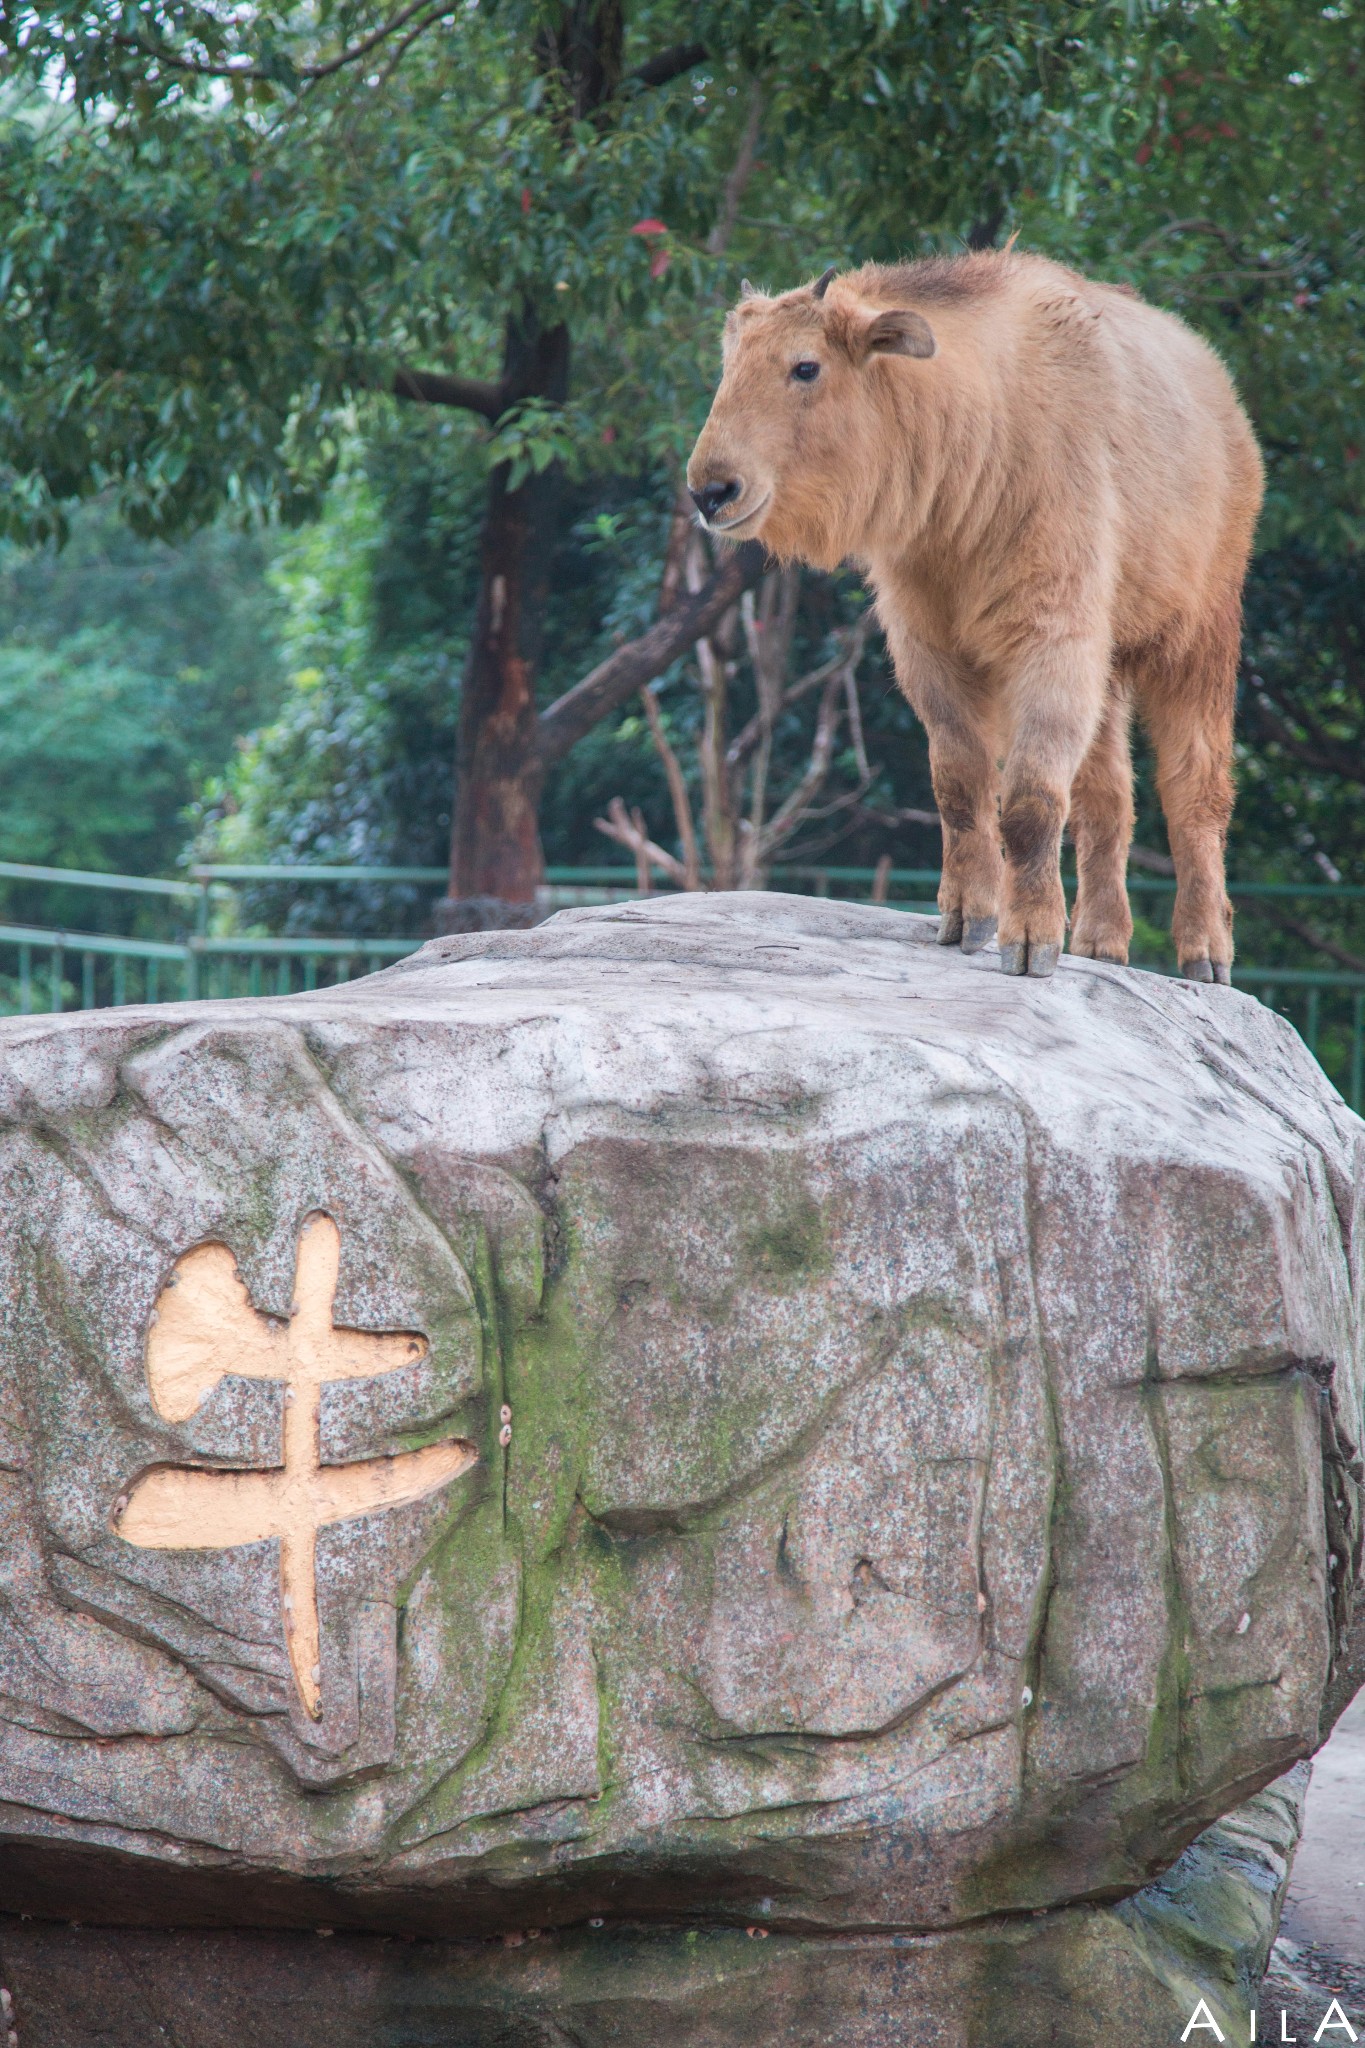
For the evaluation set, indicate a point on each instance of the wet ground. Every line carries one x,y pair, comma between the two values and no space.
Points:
1320,1955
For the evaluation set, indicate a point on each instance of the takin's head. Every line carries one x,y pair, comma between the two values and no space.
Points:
795,444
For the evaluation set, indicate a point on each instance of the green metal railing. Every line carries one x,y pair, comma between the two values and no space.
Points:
90,970
43,969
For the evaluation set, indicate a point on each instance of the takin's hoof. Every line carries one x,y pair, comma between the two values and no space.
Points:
978,932
950,927
1207,970
1033,957
1115,954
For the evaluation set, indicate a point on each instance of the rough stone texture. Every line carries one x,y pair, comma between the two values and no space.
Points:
932,1494
1134,1972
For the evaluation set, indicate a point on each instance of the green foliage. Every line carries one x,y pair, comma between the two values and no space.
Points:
92,765
199,278
377,606
127,672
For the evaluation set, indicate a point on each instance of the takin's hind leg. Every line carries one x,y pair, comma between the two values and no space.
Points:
1188,703
1102,828
1056,701
962,762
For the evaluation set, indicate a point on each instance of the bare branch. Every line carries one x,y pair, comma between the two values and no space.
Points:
1148,857
630,833
627,670
769,629
1254,906
644,879
855,719
680,530
1319,751
881,880
794,807
669,64
732,192
677,790
719,814
899,815
719,811
1187,227
435,387
749,734
397,55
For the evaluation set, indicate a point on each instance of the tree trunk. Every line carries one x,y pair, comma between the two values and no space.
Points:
495,857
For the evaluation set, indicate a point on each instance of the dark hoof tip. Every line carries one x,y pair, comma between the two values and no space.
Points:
978,933
1042,961
1222,974
1113,959
1196,970
1013,959
950,928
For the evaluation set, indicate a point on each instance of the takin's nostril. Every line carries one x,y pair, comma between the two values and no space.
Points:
709,499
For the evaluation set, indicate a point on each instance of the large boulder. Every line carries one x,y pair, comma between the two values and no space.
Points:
712,1417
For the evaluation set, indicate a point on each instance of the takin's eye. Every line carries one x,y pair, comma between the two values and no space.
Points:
805,372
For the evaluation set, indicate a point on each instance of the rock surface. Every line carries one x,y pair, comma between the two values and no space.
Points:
917,1416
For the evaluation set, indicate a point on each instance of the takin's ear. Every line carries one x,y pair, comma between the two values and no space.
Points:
886,331
898,332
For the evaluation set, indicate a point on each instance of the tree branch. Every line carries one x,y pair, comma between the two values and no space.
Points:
793,810
1147,857
737,178
681,527
677,790
1187,227
1304,933
434,387
628,830
852,642
405,43
898,815
669,64
1324,753
210,69
563,724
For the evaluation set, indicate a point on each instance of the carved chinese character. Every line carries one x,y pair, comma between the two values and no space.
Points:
206,1328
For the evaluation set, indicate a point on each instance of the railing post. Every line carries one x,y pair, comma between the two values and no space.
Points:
25,980
191,976
56,962
1357,1049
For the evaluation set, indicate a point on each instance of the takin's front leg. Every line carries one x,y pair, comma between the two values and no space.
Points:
1055,702
962,762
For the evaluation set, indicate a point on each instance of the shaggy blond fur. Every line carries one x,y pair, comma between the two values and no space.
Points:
1052,489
